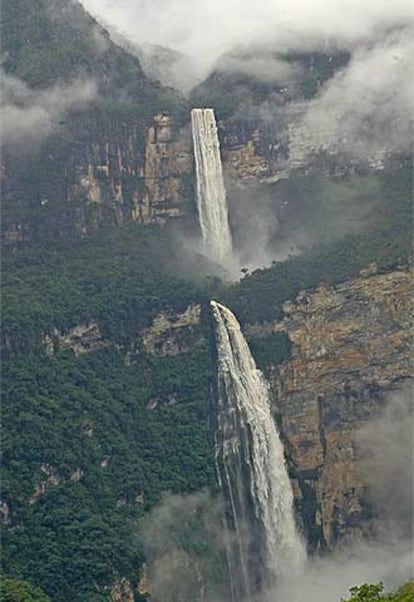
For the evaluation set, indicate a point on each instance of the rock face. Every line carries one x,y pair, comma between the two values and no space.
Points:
133,173
269,150
351,348
171,335
252,151
83,338
141,177
126,174
122,591
167,173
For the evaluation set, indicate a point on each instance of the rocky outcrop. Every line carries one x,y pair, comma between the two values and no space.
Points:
49,479
144,584
169,334
167,173
143,180
242,156
172,334
351,348
83,338
122,591
145,185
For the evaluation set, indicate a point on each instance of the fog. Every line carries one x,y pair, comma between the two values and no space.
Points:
360,117
206,29
386,446
368,105
29,116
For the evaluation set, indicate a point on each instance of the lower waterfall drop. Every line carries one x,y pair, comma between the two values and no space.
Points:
251,471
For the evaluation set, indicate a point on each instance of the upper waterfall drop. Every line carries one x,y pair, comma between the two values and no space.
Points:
211,194
251,470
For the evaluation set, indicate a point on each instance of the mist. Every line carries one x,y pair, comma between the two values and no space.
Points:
207,29
330,579
29,116
184,540
363,113
273,222
386,463
184,537
367,106
386,447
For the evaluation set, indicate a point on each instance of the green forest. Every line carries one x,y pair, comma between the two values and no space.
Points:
93,441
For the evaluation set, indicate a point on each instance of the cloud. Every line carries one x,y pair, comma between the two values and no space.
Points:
183,540
206,29
363,109
329,579
386,445
184,543
29,116
369,105
265,67
72,14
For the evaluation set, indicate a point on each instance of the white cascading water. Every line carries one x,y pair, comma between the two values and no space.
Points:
251,471
211,194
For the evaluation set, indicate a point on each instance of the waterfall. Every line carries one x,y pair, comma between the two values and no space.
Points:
251,470
211,194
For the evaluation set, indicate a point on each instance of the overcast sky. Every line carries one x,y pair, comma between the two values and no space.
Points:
207,28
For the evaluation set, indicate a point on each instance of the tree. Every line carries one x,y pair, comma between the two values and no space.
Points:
375,593
13,590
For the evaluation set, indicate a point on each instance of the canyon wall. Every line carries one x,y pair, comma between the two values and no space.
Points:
351,347
127,174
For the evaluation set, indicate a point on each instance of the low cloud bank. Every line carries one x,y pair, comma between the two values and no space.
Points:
367,106
207,29
29,116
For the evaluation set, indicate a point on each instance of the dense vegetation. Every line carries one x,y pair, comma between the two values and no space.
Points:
30,28
13,590
82,429
89,445
376,593
91,442
121,277
41,189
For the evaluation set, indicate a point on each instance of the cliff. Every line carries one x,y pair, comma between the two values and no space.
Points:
115,410
142,176
268,150
351,348
127,173
89,138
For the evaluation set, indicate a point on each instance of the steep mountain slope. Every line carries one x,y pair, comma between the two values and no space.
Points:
106,338
77,111
96,425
